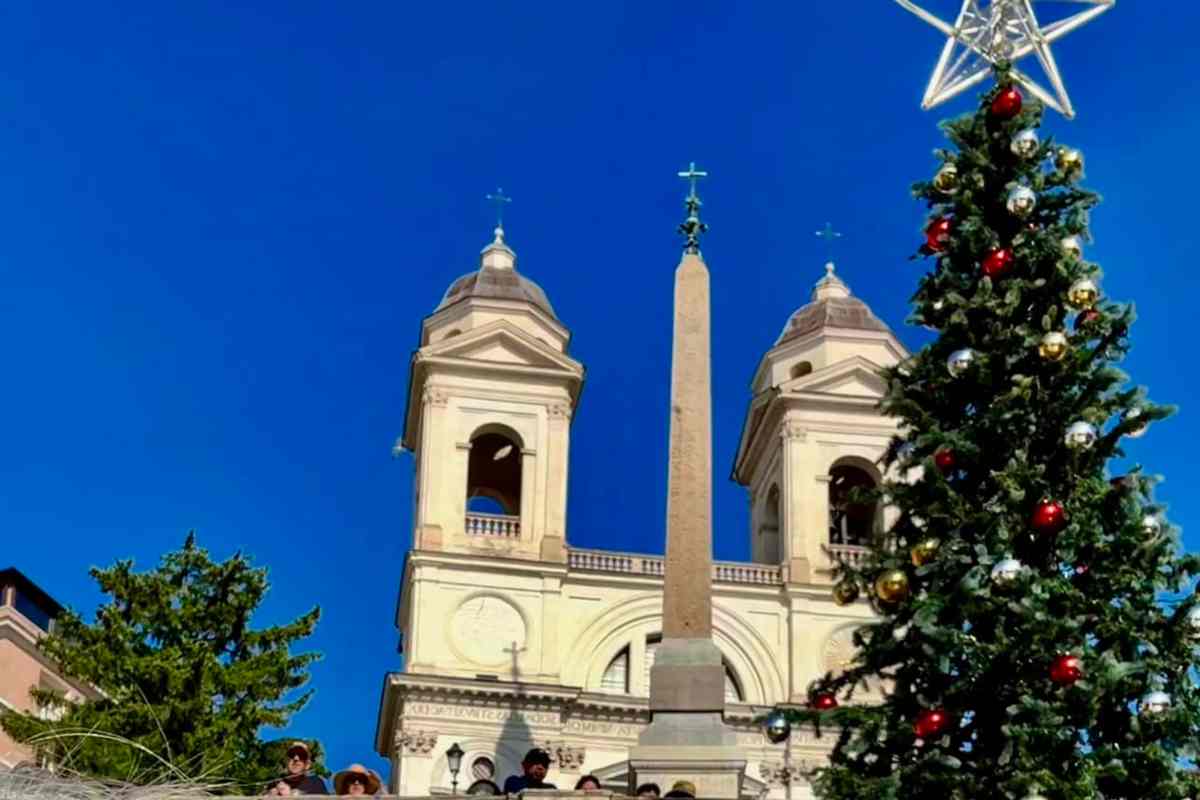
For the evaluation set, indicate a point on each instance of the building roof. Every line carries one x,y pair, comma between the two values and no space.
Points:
832,306
496,278
14,577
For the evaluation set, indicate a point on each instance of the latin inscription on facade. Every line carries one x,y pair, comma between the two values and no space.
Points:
480,713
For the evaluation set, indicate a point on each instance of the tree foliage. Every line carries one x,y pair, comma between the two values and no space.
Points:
186,684
1109,588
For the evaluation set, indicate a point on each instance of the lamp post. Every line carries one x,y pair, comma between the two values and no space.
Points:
454,761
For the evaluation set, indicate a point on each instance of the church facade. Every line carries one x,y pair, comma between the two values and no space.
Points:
513,638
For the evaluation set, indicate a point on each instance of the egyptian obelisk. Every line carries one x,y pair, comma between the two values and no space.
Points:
687,738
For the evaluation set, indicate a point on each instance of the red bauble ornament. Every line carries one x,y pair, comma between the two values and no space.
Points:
930,723
1086,318
1049,518
1007,104
944,459
823,702
938,234
1066,669
997,262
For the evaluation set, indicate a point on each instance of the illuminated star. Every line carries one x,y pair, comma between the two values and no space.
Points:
987,32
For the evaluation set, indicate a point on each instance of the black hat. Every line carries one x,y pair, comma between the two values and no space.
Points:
537,756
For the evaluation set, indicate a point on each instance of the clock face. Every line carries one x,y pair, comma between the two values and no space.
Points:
486,629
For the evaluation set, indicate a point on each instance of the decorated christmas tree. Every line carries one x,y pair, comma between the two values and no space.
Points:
1035,634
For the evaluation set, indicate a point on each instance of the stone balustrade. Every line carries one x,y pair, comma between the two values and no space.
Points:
852,554
638,564
501,526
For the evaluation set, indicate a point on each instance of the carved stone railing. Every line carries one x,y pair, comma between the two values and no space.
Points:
501,526
637,564
852,554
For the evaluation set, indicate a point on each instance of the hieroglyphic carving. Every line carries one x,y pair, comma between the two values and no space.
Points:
416,742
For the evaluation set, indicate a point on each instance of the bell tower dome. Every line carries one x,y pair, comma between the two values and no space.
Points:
813,433
490,397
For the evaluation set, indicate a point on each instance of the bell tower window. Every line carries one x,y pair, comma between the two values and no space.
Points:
767,550
851,517
494,483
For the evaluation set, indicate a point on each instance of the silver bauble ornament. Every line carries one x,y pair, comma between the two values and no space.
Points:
777,728
1154,704
1025,144
1005,572
1140,431
1021,202
1080,435
1072,247
904,452
1151,526
960,361
1192,621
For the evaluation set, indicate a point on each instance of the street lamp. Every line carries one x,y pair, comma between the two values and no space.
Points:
454,761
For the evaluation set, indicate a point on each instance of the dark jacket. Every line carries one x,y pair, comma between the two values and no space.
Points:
307,784
519,783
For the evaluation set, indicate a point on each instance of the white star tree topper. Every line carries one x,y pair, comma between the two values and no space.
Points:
988,32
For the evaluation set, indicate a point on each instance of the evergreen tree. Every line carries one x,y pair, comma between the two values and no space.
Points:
185,680
1035,635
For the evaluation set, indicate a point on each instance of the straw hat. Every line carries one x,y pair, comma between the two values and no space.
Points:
341,779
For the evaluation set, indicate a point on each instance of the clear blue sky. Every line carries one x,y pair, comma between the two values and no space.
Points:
223,223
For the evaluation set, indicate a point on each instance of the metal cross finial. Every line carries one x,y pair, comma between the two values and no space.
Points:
501,200
691,176
830,236
692,228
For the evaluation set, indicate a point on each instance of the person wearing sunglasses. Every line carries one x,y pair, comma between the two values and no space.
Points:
297,776
356,781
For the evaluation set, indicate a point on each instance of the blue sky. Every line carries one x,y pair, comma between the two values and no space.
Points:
223,223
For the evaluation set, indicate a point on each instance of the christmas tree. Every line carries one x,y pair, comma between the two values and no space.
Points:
186,683
1035,635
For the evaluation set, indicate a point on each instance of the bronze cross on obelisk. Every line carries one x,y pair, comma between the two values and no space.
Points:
692,227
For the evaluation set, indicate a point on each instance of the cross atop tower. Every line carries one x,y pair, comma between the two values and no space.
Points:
500,200
830,236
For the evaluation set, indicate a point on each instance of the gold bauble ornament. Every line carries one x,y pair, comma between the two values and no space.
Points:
845,592
1083,294
1070,162
1054,346
946,179
925,551
891,586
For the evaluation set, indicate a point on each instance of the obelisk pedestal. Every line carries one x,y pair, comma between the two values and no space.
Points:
687,738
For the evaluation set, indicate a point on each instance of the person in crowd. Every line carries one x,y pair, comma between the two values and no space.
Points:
588,783
534,767
356,781
483,787
682,789
297,776
651,791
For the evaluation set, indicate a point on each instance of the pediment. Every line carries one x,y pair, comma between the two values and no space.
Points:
856,377
501,343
